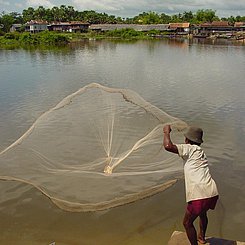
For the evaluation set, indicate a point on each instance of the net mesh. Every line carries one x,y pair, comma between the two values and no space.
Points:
98,148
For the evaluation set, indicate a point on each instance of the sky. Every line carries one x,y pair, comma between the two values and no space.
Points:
131,8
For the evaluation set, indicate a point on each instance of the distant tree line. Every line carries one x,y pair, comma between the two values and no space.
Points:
68,13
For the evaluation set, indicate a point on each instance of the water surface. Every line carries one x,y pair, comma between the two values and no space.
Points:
200,83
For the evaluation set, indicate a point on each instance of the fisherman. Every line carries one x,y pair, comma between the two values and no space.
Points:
201,190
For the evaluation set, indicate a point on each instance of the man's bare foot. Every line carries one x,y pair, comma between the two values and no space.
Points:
201,240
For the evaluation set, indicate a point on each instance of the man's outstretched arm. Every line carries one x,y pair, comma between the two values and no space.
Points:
167,143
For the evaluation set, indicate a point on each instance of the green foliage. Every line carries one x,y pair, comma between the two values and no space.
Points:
4,42
12,35
176,18
6,21
154,32
147,18
124,33
68,13
187,16
28,14
26,38
47,37
207,15
233,19
165,19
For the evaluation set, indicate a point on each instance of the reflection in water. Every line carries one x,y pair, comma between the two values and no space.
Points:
216,42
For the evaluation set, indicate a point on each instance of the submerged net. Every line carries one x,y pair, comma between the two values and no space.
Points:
98,148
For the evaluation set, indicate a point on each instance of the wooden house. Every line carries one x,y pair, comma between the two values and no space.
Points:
239,26
215,28
15,27
72,26
179,28
136,27
35,26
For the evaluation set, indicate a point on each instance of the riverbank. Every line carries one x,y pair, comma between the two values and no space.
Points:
180,238
58,39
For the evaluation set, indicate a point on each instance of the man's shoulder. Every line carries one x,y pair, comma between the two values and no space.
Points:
188,149
183,149
186,146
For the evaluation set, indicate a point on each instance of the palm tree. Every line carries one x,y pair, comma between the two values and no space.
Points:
40,13
28,14
56,13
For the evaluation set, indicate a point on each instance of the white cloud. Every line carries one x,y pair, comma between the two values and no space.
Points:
4,3
102,5
129,7
19,5
36,3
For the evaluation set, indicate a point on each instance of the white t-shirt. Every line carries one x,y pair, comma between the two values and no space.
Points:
198,181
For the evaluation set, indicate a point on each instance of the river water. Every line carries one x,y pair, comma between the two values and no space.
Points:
200,82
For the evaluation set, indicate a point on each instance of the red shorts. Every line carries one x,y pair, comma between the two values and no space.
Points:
196,207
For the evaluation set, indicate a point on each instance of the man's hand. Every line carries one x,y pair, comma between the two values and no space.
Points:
166,129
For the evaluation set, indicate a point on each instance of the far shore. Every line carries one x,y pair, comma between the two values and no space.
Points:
49,39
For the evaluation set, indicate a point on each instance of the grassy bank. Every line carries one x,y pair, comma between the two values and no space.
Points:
26,38
47,38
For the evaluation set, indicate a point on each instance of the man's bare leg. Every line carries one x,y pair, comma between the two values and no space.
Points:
203,223
189,227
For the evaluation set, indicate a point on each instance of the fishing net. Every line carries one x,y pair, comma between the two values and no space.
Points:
98,148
